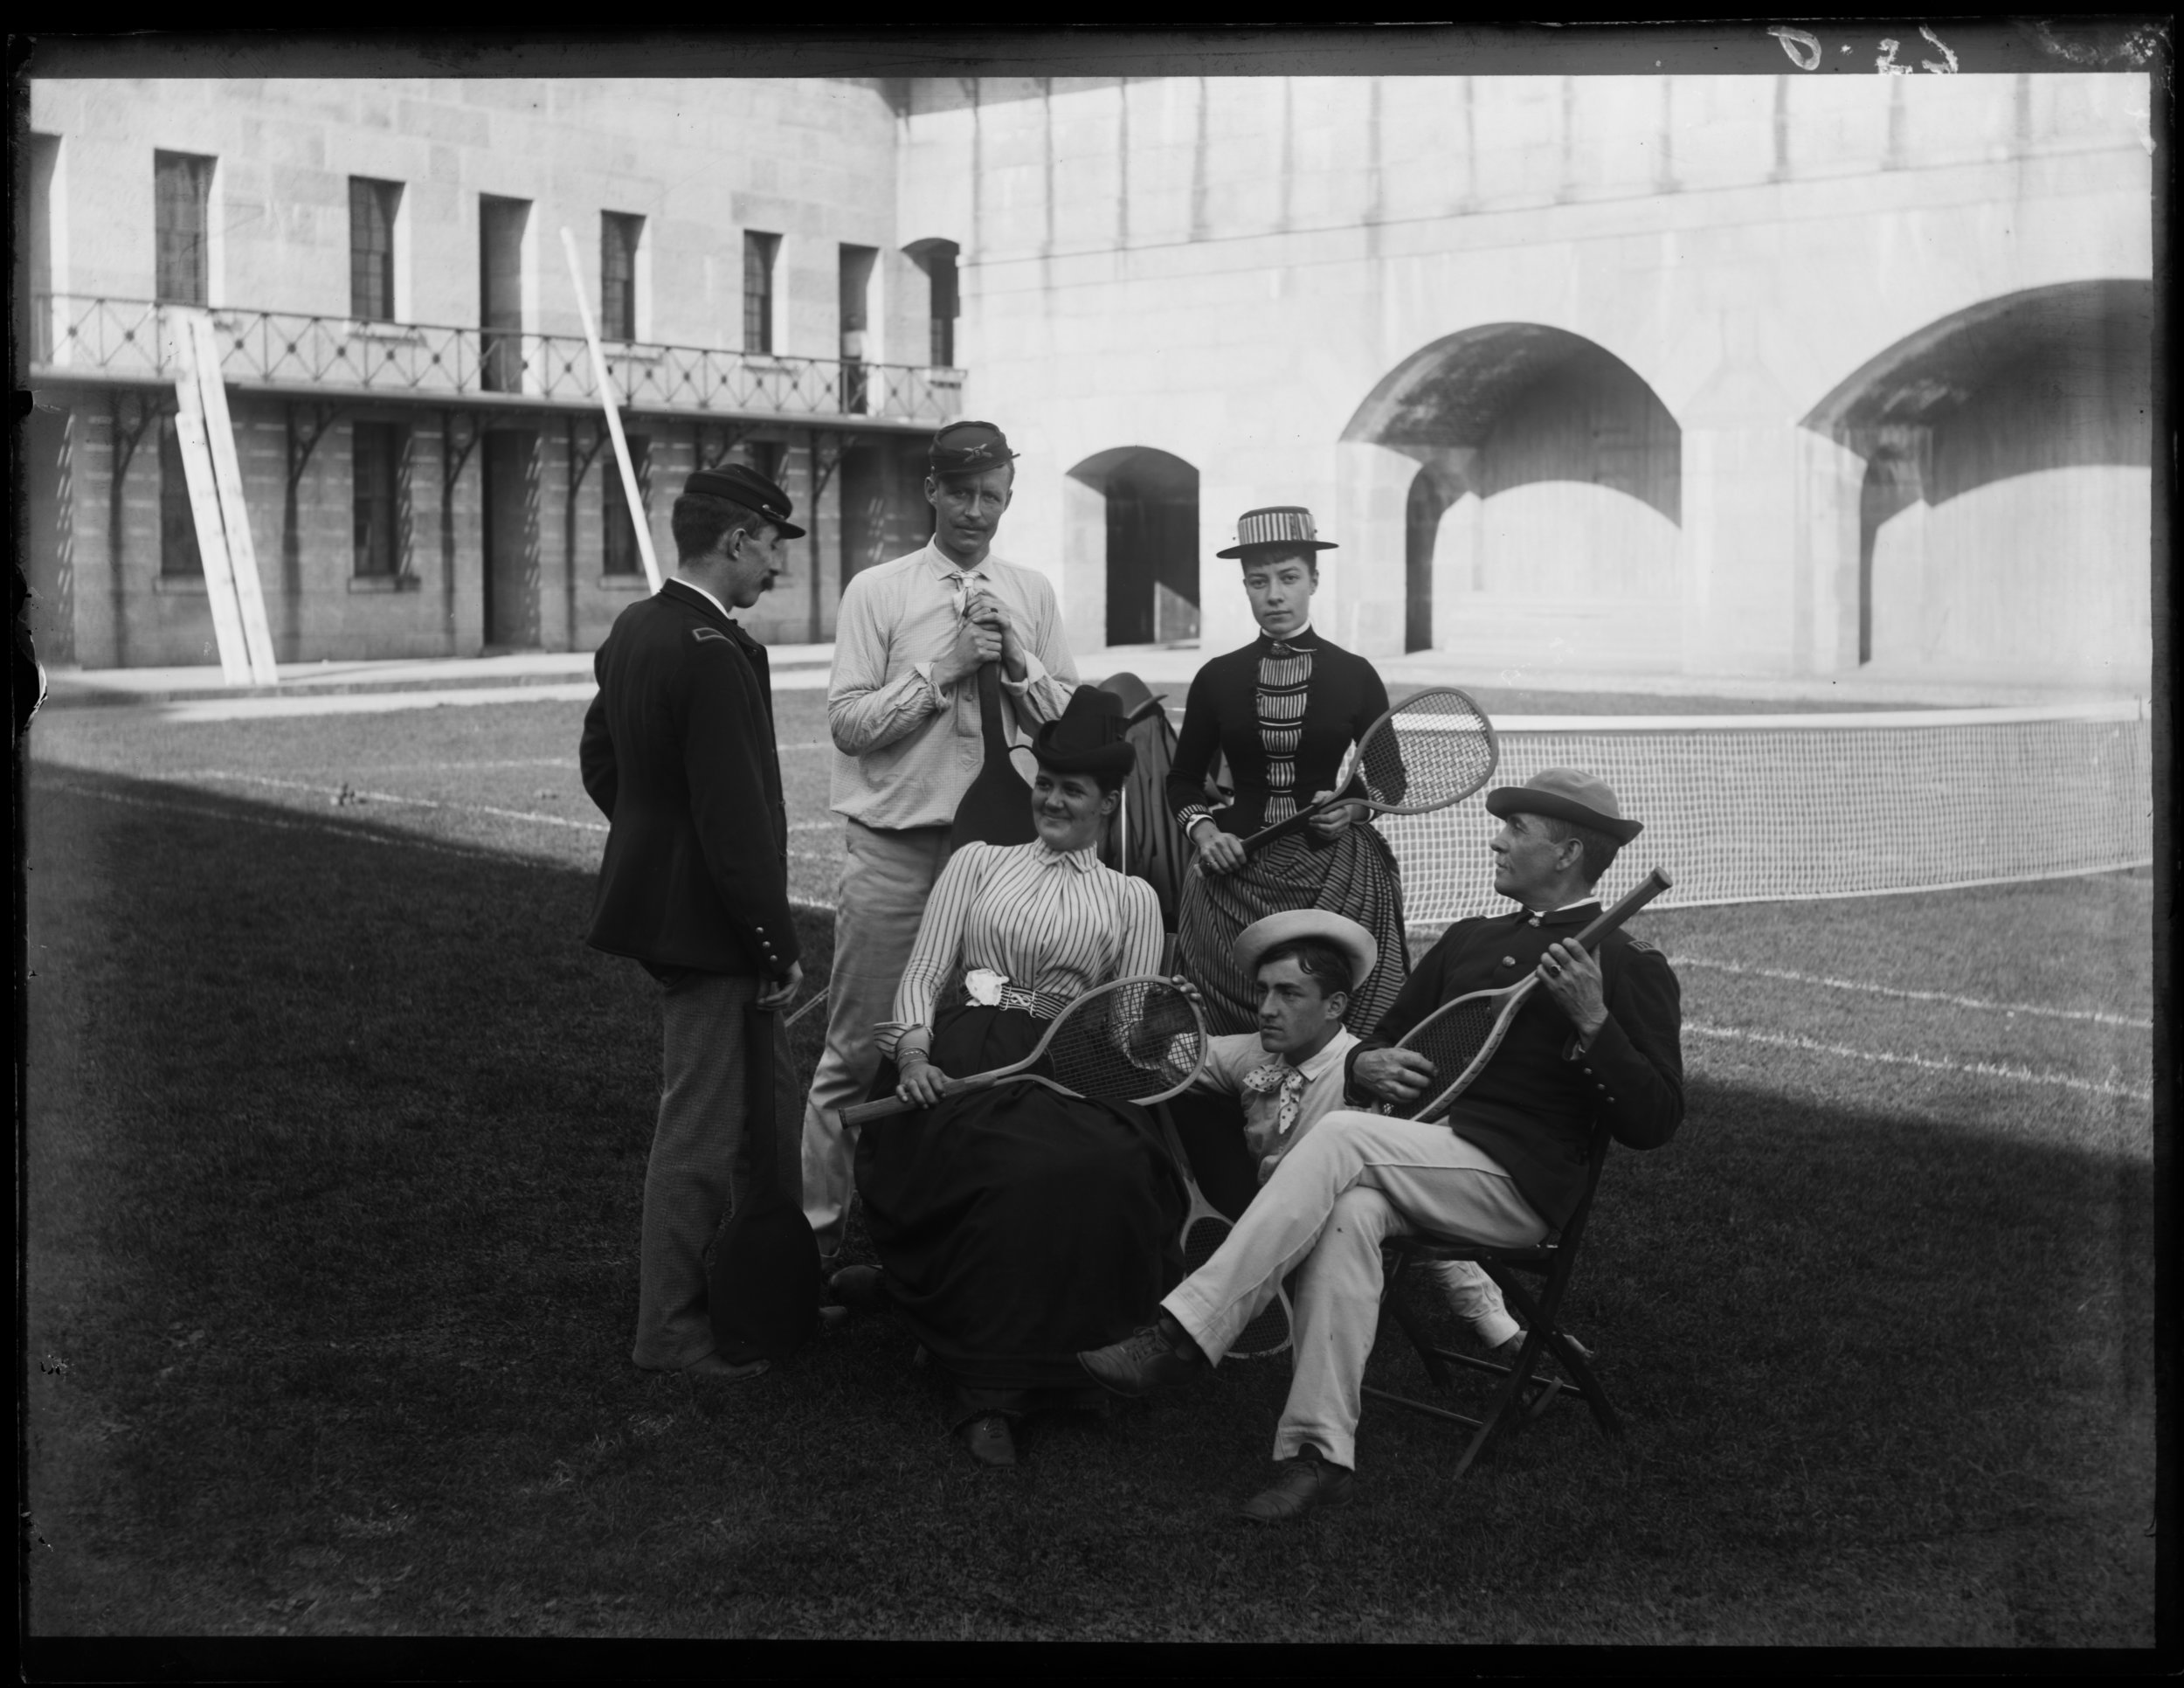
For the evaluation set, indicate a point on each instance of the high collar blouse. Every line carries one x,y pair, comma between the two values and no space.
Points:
1059,923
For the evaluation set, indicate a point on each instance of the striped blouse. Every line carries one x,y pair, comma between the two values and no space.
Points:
1282,712
1056,922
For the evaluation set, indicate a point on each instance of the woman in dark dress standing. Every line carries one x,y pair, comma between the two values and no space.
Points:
1283,710
1012,1223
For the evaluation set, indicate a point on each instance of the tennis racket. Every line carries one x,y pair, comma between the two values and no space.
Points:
1205,1228
1140,1039
1461,1037
1429,751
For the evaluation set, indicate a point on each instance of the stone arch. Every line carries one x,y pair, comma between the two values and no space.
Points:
1130,554
2004,508
1542,520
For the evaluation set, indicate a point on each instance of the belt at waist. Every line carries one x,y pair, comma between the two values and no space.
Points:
1039,1005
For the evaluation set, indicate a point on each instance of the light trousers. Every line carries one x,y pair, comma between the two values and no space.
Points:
1473,1296
697,1167
1356,1179
878,903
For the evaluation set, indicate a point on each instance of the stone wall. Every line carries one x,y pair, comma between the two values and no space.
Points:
1229,271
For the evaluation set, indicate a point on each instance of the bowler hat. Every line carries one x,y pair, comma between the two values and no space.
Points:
751,489
1346,935
1091,737
1567,794
968,448
1281,527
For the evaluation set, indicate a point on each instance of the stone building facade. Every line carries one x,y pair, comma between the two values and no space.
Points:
424,457
1794,375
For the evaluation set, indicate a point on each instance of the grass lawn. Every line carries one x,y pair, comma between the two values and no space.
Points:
336,1138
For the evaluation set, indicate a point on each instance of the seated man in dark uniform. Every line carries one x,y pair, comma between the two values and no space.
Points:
1599,1039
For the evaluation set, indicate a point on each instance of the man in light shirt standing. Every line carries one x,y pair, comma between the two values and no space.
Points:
903,706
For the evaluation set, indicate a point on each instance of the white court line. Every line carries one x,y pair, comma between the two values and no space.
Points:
1925,1063
354,834
357,834
456,808
406,802
2096,1015
568,762
261,708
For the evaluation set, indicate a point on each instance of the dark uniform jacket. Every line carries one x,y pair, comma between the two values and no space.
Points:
1345,696
678,752
1533,1107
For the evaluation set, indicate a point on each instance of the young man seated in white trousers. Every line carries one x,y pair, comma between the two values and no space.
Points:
1599,1041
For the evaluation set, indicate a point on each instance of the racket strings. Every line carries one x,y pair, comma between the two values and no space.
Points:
1203,1241
1452,1040
1428,755
1131,1044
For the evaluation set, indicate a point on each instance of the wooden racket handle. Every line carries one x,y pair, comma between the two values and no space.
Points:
1648,888
883,1107
858,1113
1303,818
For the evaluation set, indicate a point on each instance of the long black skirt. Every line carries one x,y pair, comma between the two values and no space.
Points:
1017,1227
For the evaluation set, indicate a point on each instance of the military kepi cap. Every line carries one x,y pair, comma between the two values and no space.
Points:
969,447
1282,527
751,489
1569,795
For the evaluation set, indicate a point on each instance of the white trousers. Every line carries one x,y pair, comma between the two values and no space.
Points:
1356,1179
1474,1297
878,903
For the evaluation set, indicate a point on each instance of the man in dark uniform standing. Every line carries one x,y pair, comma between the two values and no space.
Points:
1600,1040
678,752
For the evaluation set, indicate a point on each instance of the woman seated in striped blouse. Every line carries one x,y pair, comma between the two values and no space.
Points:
1014,1226
1284,711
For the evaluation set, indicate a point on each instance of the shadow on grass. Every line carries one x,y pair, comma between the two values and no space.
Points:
336,1144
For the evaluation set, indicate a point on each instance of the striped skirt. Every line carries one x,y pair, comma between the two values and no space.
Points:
1354,876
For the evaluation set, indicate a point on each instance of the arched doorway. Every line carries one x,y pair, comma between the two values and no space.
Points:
2005,513
1542,523
1141,542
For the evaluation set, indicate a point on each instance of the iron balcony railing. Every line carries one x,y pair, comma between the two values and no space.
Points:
124,338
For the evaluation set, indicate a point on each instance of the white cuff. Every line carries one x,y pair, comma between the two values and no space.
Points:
924,672
1035,671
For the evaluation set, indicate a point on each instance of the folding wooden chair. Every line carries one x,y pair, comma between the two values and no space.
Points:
1520,1397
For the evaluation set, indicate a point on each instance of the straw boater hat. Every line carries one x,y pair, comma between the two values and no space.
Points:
1091,737
1281,527
1568,795
1345,934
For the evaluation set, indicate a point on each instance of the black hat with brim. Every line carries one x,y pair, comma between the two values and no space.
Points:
751,489
1091,737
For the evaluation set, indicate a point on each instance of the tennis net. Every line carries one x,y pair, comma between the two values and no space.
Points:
1781,807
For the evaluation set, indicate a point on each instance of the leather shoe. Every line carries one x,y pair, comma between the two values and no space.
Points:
1306,1484
1506,1354
990,1440
1159,1354
728,1371
861,1289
